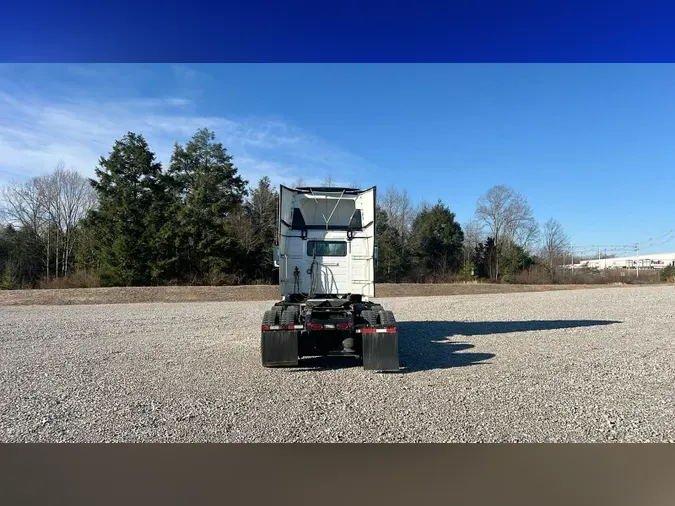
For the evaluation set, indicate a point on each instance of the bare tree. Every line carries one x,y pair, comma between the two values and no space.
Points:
241,226
68,197
555,242
23,206
527,236
508,216
400,210
473,235
76,198
50,196
329,182
50,207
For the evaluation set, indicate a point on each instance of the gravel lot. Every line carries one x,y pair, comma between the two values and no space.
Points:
581,365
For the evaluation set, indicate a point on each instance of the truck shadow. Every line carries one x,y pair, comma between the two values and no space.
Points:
427,345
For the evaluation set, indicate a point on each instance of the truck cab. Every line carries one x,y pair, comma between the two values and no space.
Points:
326,241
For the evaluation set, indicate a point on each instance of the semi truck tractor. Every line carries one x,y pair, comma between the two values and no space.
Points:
326,255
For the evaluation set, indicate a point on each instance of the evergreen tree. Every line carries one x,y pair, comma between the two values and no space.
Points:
438,239
261,210
208,192
7,257
392,261
515,260
124,227
484,258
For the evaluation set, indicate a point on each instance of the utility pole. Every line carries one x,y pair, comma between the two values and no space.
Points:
637,260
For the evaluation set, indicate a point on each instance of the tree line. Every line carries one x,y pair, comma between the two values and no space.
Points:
198,221
501,240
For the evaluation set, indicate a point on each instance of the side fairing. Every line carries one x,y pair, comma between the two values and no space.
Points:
285,217
363,246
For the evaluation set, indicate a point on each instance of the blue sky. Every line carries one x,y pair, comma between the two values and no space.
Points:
591,145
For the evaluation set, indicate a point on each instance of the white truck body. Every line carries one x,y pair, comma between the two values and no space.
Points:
326,241
326,255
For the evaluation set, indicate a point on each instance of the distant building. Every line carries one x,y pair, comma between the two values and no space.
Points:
646,261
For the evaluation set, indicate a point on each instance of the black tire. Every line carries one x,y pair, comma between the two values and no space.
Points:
380,351
370,317
278,310
387,318
289,316
269,317
278,348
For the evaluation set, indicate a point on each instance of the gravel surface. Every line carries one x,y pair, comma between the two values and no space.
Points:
582,365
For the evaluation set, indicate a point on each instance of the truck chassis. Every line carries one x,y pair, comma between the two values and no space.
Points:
328,325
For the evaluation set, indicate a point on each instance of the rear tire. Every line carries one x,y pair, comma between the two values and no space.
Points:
278,348
380,350
387,318
269,318
370,317
289,316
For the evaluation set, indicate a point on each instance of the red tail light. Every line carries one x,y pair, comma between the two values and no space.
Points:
315,326
342,325
392,330
368,331
265,327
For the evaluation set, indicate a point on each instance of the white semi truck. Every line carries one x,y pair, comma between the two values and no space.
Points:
326,255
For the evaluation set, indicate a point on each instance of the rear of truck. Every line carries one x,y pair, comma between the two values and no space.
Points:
326,253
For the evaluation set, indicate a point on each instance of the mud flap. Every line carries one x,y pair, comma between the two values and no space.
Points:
279,348
380,352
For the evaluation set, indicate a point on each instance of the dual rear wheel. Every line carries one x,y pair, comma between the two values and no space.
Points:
379,351
379,317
